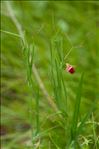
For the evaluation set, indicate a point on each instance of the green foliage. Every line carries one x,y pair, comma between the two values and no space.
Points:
38,105
76,111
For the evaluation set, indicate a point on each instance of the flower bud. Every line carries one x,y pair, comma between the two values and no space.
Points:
70,68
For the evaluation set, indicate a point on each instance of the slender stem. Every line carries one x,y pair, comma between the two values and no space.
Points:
13,34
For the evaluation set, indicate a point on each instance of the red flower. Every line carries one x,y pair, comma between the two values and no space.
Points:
70,68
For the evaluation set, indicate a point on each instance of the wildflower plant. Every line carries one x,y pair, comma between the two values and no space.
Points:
64,119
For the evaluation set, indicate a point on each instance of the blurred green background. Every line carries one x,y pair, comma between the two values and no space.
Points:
78,24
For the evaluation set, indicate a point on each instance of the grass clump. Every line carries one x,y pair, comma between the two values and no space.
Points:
43,105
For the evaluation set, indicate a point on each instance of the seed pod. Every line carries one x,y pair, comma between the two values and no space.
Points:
70,68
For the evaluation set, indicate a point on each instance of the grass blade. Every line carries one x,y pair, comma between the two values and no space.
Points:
76,110
85,119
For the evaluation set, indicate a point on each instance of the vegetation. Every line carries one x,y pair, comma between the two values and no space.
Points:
42,105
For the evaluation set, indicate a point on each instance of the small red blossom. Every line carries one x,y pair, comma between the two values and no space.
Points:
70,68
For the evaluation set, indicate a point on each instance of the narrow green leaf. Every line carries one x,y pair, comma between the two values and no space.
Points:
85,119
76,109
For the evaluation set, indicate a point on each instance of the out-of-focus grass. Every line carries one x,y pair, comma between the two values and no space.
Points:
77,24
